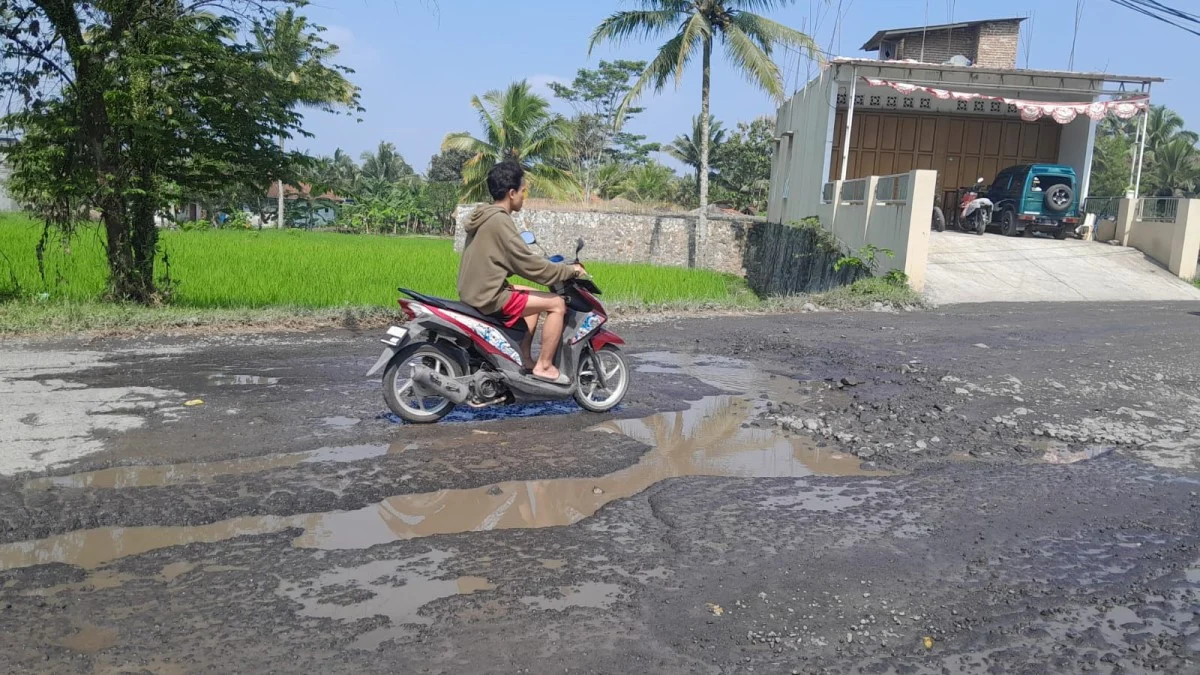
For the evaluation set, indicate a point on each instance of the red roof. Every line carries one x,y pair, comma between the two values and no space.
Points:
305,192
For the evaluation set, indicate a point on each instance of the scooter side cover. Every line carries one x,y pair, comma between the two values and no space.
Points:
488,336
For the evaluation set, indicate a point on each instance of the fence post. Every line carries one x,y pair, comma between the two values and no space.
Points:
921,186
1185,245
1125,215
869,202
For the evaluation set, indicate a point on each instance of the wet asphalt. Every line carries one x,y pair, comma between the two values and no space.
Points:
993,489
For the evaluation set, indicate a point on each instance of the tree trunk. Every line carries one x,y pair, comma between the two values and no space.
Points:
279,210
702,222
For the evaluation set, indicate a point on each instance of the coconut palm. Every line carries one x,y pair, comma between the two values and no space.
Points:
1164,126
646,183
749,39
1176,168
686,149
385,165
517,124
293,50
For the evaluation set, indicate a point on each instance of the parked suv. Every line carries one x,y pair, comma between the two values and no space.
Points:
1036,198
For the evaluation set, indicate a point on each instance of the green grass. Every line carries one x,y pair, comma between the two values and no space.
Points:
260,279
1196,282
239,269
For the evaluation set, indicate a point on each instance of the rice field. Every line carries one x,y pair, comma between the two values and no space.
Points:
291,268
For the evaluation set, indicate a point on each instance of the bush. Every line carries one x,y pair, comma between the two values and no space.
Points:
195,225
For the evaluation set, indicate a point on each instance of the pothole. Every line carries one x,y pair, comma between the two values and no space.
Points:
713,437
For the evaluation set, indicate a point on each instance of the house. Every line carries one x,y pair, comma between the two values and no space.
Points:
948,98
6,202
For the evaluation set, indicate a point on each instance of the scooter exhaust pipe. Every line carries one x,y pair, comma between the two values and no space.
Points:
437,384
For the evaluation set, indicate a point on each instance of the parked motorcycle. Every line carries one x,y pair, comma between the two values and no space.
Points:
448,354
976,212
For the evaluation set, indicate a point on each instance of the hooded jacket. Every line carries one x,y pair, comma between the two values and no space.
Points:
495,251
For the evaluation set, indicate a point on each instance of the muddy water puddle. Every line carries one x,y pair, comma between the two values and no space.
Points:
713,437
181,474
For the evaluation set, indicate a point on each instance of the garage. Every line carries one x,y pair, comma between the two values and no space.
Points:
960,148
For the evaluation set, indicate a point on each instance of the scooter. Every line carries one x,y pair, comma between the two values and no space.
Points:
976,213
448,354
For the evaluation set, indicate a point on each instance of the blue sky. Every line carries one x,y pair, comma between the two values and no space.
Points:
418,62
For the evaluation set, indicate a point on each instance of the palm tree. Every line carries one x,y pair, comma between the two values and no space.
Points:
292,50
749,39
517,124
650,182
1165,125
385,165
1176,168
686,149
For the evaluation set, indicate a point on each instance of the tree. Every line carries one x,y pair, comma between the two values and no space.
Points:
648,183
385,165
688,150
1176,168
124,104
598,134
517,124
293,51
743,164
447,166
749,40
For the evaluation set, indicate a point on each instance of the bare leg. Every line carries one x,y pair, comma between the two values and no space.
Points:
556,309
531,323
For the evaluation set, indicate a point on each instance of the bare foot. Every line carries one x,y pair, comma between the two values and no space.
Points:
548,372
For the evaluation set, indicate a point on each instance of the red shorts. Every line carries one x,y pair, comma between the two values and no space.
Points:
514,309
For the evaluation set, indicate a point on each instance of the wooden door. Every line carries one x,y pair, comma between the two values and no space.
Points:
960,148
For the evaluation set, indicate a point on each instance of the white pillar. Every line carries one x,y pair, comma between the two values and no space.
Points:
849,122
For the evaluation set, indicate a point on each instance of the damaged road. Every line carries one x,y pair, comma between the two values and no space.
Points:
984,489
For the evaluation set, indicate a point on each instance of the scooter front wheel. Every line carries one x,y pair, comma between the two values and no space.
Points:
398,388
591,395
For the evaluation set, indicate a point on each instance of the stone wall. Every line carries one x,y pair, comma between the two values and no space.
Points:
659,238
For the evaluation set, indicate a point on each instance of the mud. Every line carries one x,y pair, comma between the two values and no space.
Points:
829,493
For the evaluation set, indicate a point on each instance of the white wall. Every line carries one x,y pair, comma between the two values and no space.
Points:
6,202
1075,151
800,164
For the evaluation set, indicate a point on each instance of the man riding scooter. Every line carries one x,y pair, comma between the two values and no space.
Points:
494,251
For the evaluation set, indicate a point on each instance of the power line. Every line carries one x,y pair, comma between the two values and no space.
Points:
1186,21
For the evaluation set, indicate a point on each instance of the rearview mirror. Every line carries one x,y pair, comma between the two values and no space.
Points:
529,237
578,245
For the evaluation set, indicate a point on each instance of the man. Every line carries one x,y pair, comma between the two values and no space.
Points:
495,251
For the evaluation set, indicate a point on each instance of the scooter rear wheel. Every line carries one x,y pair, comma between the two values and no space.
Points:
398,390
590,395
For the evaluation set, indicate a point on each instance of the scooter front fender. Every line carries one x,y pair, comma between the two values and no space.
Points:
605,337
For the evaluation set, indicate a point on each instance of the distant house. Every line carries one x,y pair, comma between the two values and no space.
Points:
949,98
6,202
322,214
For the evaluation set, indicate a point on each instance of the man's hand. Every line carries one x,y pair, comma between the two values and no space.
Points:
579,271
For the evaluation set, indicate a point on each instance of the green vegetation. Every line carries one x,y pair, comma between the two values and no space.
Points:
126,107
695,27
1196,282
225,269
1172,162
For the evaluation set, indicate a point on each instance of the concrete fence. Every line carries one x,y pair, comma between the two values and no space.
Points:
662,239
1167,230
888,212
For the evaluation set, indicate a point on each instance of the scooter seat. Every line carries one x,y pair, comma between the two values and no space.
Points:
518,331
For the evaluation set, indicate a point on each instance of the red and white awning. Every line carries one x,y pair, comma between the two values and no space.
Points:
1031,111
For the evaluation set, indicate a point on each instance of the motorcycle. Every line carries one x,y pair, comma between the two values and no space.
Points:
976,211
449,354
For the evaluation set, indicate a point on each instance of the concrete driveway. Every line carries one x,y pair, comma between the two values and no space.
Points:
967,268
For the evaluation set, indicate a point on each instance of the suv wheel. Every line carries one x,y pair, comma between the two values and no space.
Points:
1059,198
1008,223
